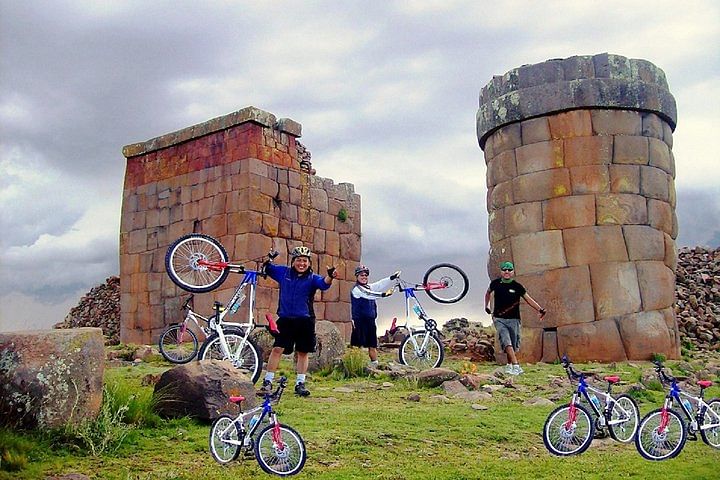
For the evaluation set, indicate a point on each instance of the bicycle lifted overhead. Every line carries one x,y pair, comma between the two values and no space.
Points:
278,448
663,432
422,347
569,429
199,263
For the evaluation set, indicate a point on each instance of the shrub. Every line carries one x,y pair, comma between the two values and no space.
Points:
342,215
351,365
14,451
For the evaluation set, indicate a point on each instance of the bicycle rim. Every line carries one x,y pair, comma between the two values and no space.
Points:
564,436
184,263
178,345
711,436
248,361
413,354
454,283
656,442
223,429
625,411
280,450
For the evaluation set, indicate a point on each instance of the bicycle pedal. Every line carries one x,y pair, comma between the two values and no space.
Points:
692,437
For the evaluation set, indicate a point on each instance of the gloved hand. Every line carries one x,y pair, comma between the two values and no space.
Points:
395,275
487,309
332,273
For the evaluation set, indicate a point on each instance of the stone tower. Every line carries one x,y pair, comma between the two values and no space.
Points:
581,197
244,179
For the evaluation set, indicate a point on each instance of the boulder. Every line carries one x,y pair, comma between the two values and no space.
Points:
202,390
330,346
435,377
51,378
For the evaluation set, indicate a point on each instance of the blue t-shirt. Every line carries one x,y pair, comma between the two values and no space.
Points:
296,291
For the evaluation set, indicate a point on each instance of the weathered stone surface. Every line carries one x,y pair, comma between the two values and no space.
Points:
530,344
590,179
566,294
202,390
539,186
501,195
523,218
657,285
624,178
568,212
588,151
539,156
575,123
616,122
587,245
630,150
435,377
660,216
621,209
535,130
645,334
654,183
330,346
51,378
501,168
507,138
644,243
615,289
595,341
536,252
659,156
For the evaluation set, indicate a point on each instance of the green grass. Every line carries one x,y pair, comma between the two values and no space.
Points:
372,432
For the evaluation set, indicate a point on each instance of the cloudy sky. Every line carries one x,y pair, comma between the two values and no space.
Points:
386,93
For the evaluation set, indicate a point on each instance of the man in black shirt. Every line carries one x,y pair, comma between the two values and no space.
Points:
506,313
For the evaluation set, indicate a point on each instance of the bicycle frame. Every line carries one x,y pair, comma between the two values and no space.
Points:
675,394
412,303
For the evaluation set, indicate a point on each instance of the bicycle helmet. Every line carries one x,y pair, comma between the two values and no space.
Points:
360,269
299,251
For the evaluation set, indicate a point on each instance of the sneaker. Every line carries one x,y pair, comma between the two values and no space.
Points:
300,390
266,388
517,370
509,369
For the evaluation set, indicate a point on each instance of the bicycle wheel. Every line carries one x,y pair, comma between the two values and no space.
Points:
178,344
711,436
564,436
430,357
249,361
451,284
624,419
222,430
655,442
280,450
182,262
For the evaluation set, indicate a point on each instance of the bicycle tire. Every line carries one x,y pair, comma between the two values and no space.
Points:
250,362
455,280
563,441
711,436
181,263
177,344
656,446
432,357
282,460
220,450
624,432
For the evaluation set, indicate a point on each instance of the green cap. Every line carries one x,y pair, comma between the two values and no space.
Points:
507,265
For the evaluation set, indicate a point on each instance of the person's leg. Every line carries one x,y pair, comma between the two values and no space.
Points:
503,334
302,362
304,344
515,338
372,352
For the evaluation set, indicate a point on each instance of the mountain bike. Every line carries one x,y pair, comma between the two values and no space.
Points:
663,433
199,263
278,448
422,347
569,429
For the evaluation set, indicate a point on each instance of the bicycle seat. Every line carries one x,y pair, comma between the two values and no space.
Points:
612,379
237,399
704,383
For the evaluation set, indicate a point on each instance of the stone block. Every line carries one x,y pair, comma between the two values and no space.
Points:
595,244
616,122
501,168
332,243
539,186
270,225
506,138
575,123
245,221
523,218
657,285
615,289
667,134
621,209
501,195
671,254
535,130
537,252
660,216
598,341
659,156
645,334
588,151
215,226
531,346
550,352
590,179
652,126
319,199
672,325
350,246
644,243
539,156
565,293
624,178
654,183
630,150
251,245
568,212
499,252
496,225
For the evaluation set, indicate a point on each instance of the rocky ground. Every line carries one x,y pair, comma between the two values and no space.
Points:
697,309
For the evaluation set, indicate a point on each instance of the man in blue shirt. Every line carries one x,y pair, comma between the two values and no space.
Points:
296,322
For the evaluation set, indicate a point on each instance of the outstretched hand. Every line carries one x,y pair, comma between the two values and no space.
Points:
332,272
541,313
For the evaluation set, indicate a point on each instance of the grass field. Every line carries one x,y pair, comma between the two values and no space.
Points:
369,429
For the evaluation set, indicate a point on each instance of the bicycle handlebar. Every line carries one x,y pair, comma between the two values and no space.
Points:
660,370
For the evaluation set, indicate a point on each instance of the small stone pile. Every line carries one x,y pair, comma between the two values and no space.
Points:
100,307
697,306
470,340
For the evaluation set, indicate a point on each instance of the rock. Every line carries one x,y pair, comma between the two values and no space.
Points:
472,396
413,397
100,307
202,390
51,378
476,406
453,387
538,402
470,339
330,346
434,377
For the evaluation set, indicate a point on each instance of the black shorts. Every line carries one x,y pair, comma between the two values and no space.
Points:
364,334
296,334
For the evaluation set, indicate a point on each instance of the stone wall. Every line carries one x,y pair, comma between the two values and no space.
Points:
239,179
581,197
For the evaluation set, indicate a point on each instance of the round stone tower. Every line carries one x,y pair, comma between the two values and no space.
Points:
581,197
